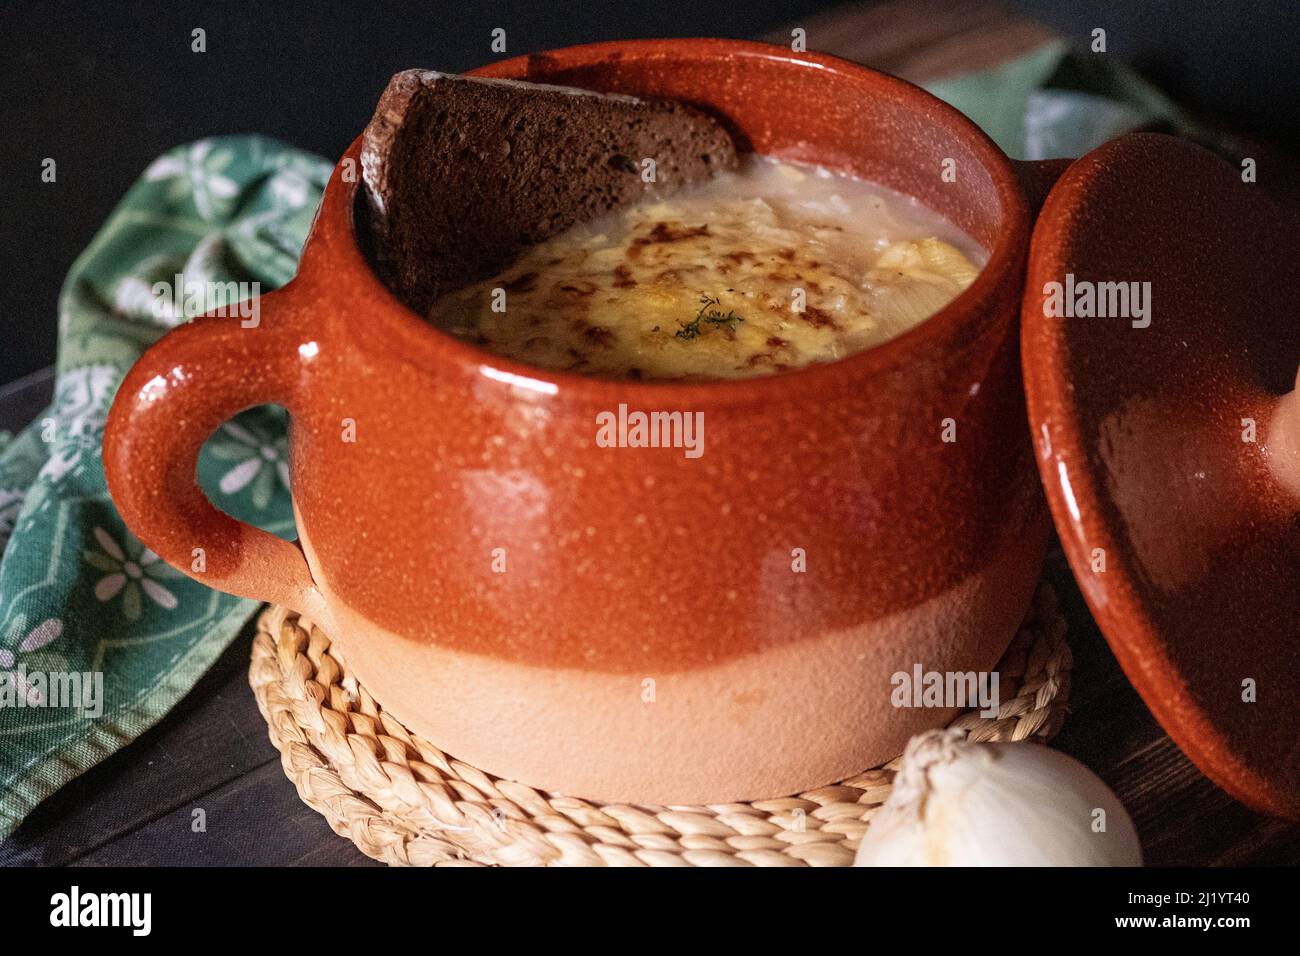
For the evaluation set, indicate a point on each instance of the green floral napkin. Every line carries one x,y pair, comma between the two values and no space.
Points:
1060,102
79,595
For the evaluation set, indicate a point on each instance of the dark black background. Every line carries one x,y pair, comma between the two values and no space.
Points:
105,87
211,904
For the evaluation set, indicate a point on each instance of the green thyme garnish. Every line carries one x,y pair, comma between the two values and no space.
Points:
708,314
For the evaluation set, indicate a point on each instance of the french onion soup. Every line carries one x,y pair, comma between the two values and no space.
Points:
772,267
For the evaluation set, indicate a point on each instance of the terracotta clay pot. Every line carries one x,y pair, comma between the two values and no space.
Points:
622,623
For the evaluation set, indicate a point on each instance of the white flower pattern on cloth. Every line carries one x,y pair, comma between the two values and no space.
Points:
129,573
42,634
197,173
59,464
82,397
259,460
134,295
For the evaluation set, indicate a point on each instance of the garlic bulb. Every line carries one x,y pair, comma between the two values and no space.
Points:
958,803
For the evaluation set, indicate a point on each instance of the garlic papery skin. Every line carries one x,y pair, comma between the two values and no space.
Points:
958,803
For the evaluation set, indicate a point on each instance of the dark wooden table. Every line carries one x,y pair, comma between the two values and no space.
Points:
212,751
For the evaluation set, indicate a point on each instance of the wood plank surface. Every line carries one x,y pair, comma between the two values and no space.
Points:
920,39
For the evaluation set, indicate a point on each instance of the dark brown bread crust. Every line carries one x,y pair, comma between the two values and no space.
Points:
461,174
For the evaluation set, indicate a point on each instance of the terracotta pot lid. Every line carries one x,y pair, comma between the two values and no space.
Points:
1170,447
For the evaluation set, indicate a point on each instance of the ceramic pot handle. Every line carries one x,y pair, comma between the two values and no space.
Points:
180,391
1037,177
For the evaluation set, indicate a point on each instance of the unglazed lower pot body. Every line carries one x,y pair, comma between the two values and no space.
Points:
619,623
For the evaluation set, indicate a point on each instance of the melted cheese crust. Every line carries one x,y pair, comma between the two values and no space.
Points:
709,285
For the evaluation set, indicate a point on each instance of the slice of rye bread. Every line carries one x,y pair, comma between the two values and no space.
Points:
461,174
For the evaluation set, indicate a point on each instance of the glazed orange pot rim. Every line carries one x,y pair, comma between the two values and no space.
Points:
333,258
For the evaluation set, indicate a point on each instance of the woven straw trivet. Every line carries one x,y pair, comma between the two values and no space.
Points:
403,801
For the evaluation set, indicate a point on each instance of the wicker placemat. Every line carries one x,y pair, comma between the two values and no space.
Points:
403,801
